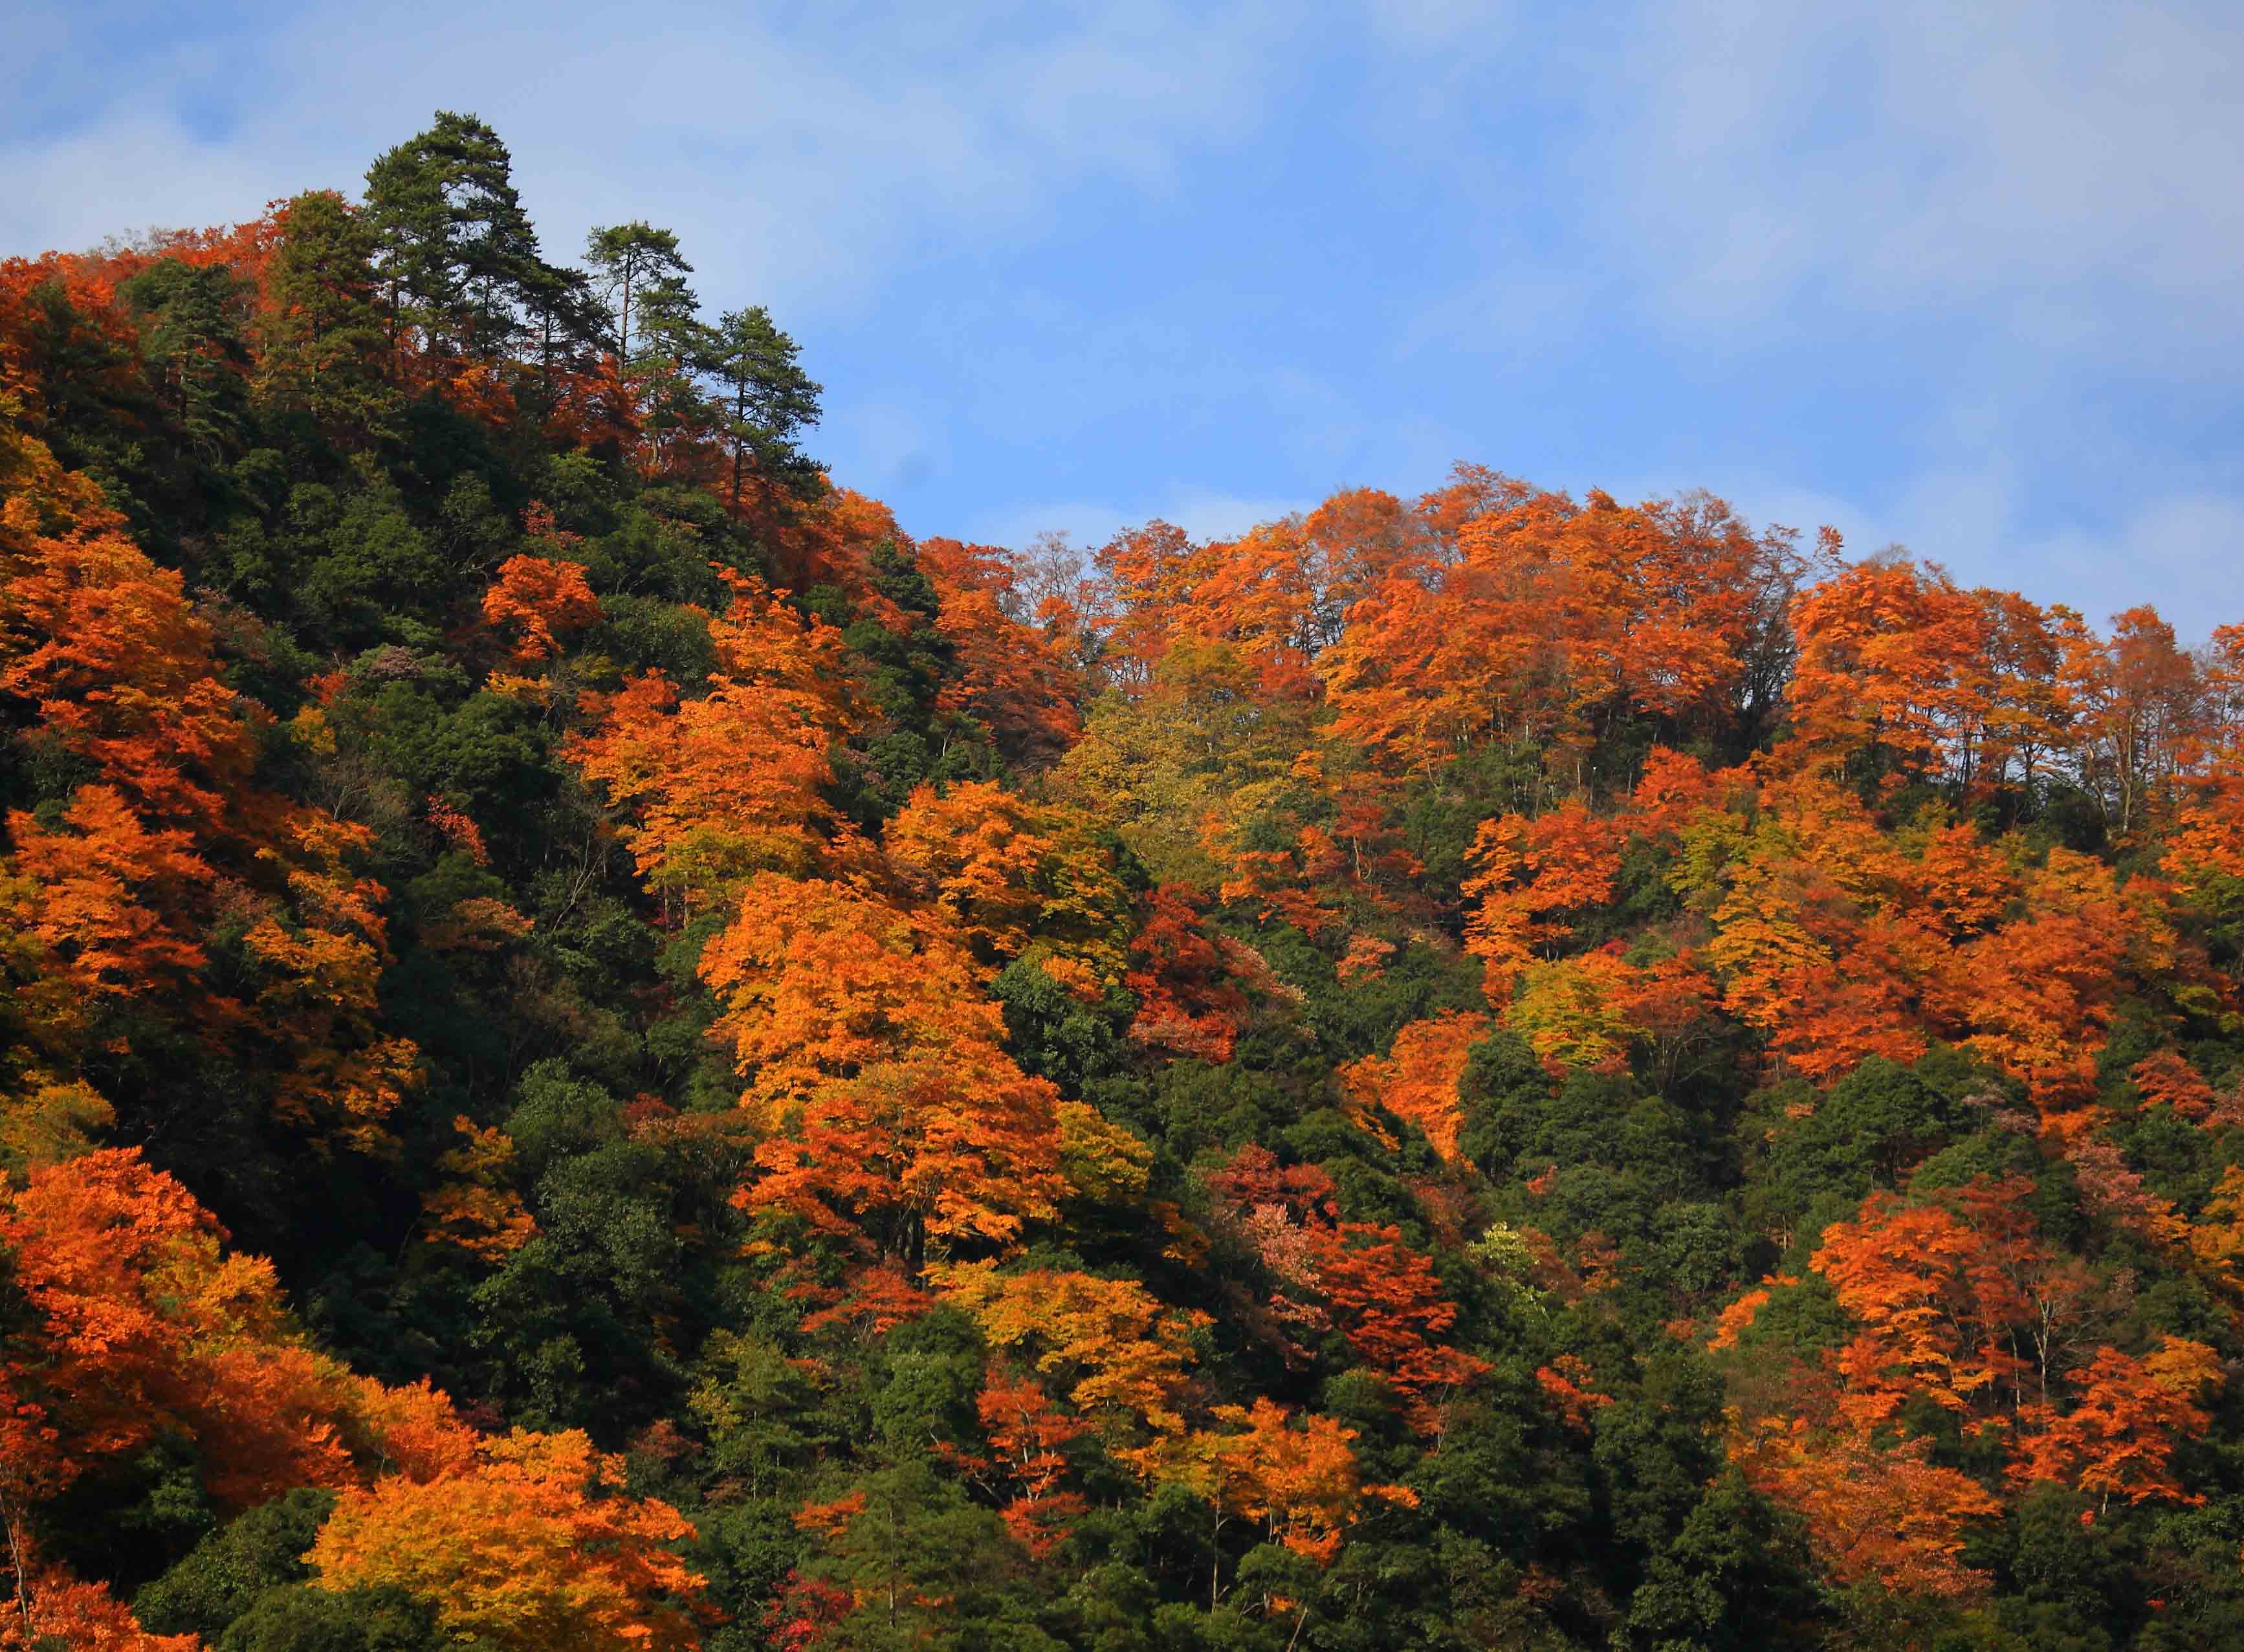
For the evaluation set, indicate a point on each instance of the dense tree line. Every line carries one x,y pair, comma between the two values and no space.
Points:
602,1049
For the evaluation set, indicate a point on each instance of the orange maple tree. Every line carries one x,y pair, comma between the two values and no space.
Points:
2128,1416
876,1072
1015,677
1887,668
116,895
1296,1474
1530,874
141,1323
1873,1512
1187,999
718,785
540,601
1028,1435
1549,614
50,1608
1388,1303
1416,1080
1935,1288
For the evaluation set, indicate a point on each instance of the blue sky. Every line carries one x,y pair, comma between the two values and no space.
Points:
1966,278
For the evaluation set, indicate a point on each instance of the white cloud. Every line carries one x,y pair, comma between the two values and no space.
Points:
63,192
2048,189
2190,544
798,161
1913,152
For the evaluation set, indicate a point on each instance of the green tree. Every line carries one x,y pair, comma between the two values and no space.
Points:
322,333
302,1618
456,254
768,400
192,323
228,1572
636,264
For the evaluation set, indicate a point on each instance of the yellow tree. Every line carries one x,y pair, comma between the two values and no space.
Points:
534,1546
1005,869
1121,1354
1297,1476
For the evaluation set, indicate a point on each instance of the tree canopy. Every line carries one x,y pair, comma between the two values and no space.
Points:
604,1049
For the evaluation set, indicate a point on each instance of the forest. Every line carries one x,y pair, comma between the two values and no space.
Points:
601,1049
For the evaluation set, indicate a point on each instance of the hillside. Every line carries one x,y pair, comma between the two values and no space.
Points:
603,1050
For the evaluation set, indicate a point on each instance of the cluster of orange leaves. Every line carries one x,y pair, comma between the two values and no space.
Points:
1957,1301
533,1546
1531,615
732,778
1014,677
141,1325
1188,999
1125,1361
1809,923
1360,1279
877,1077
540,600
1416,1080
168,837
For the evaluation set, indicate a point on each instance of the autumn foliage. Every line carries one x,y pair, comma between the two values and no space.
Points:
878,1080
600,1047
534,1545
538,601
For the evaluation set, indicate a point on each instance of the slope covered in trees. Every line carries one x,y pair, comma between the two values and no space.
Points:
603,1050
